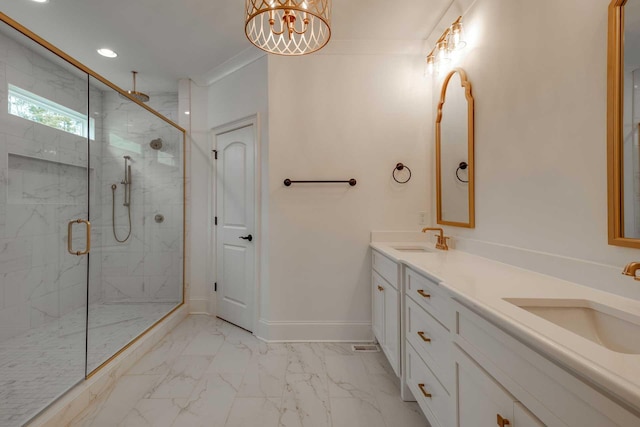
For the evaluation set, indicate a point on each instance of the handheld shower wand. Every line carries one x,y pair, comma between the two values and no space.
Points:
127,199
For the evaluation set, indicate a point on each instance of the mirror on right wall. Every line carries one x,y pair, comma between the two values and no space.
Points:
623,123
454,152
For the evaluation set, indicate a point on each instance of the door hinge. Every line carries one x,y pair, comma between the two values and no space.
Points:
215,154
215,287
215,221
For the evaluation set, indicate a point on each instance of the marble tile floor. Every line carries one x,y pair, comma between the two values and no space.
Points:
207,372
40,365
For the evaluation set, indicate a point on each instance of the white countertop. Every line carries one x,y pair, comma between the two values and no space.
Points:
482,284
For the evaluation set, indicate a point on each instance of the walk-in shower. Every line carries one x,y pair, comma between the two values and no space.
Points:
126,182
64,136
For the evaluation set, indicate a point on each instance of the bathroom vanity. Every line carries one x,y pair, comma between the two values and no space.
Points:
481,343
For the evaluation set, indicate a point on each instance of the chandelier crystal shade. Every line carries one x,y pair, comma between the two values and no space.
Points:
288,27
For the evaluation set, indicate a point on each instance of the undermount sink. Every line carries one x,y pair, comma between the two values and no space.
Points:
611,328
413,249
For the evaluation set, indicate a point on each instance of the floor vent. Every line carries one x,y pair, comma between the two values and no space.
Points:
365,348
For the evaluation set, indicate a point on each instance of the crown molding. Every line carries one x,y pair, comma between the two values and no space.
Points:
244,58
335,47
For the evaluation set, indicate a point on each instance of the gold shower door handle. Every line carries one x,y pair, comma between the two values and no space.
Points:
70,237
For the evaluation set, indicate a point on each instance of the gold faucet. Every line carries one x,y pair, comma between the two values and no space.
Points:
442,239
630,270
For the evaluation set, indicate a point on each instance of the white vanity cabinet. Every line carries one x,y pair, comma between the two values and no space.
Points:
554,395
386,307
464,371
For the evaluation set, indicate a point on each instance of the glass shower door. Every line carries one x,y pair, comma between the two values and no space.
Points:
136,266
44,244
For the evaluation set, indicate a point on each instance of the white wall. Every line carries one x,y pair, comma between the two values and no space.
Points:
330,116
236,96
539,77
339,116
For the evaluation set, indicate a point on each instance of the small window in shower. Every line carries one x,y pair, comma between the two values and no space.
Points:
30,106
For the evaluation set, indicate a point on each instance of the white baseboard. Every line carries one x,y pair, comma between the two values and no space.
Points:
199,306
291,331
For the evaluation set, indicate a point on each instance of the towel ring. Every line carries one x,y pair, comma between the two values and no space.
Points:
463,166
400,167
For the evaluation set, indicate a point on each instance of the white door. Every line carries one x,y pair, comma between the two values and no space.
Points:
236,239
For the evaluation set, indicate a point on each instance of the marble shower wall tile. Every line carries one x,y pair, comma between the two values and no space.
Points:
156,190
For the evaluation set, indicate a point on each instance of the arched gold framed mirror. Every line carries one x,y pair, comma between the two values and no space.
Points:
454,152
623,123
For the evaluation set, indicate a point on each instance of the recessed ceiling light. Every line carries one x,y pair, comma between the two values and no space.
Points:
108,53
187,112
41,1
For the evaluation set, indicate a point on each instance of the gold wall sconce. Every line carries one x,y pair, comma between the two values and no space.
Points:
452,40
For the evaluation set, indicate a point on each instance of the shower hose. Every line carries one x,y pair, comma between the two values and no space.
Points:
113,216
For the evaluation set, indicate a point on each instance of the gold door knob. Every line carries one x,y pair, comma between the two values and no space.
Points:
424,391
424,294
502,422
424,338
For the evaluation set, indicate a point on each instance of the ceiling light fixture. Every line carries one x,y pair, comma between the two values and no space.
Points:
288,27
107,53
40,1
452,40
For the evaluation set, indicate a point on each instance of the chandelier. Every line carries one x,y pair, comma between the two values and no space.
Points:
288,27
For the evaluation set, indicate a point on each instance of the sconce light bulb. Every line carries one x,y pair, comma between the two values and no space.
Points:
456,37
430,64
443,52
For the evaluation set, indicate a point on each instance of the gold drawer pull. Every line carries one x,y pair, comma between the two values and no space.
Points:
422,389
424,338
424,294
503,421
380,288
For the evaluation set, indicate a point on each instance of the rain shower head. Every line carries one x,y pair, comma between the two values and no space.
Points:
142,97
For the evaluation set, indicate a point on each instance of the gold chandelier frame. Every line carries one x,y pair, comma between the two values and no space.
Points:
291,40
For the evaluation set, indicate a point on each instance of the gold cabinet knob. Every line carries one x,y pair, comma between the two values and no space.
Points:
380,288
424,294
502,422
424,337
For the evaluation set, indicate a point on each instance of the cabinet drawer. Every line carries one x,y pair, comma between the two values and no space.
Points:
434,400
432,341
386,267
430,297
554,395
481,400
